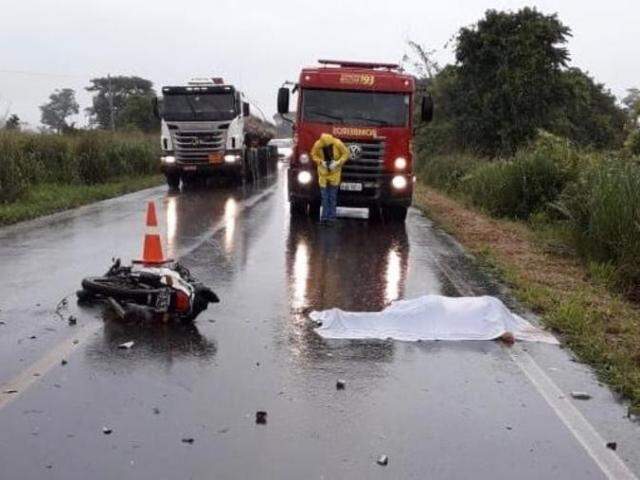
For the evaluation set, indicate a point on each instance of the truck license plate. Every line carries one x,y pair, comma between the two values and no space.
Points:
215,158
189,168
351,187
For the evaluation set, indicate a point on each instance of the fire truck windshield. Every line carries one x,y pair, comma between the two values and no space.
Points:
199,106
355,107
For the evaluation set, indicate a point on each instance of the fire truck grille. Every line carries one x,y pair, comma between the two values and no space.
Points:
195,147
369,163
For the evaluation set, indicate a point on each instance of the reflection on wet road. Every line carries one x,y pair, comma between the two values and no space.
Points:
438,410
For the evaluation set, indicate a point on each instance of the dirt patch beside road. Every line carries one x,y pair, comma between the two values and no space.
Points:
601,327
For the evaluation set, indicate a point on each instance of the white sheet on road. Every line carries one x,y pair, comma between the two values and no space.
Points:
431,317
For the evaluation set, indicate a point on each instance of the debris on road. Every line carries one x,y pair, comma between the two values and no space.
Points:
612,445
383,460
11,390
261,417
106,430
156,410
341,384
72,320
63,362
188,440
126,345
581,395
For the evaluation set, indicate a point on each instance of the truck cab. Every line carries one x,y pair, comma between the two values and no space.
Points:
369,106
207,131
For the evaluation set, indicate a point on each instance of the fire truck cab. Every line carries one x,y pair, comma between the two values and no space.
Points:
369,106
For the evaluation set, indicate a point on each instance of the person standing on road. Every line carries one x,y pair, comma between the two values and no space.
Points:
329,154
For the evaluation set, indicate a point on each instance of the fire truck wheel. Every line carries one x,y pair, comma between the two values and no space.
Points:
297,208
173,181
375,213
395,214
314,210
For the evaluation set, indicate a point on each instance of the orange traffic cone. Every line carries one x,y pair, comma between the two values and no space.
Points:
152,249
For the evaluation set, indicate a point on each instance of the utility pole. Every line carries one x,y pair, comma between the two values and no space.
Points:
111,110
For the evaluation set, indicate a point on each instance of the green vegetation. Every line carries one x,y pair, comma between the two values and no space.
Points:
33,167
53,197
541,166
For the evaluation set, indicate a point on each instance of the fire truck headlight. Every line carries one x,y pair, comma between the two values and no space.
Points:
304,177
399,182
231,158
400,163
169,159
304,158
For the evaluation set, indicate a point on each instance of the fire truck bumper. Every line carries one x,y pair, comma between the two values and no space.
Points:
383,190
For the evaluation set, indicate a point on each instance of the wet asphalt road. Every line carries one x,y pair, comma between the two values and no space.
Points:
438,410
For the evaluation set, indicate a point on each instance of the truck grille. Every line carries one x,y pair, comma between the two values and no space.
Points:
368,165
195,147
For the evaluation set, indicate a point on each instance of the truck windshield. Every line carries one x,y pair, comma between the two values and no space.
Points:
355,107
199,106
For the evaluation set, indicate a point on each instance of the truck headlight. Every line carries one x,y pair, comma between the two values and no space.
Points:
304,158
168,159
399,182
400,163
231,158
304,177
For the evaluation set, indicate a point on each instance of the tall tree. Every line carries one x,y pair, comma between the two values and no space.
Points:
632,105
62,104
12,123
509,78
588,114
112,96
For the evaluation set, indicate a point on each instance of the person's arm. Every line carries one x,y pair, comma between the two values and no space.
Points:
316,153
343,153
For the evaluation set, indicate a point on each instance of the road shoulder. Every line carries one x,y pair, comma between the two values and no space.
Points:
601,328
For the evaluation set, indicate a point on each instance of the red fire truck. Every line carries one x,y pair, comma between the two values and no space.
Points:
369,106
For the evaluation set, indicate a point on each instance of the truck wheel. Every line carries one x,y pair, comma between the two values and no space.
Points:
395,214
375,213
297,208
314,210
173,180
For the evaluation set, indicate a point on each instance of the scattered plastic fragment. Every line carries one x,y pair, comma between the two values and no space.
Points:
126,345
106,430
612,445
72,320
581,395
156,410
63,362
11,390
382,460
33,337
340,385
261,417
188,440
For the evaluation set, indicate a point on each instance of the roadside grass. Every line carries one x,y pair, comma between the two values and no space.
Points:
572,298
47,198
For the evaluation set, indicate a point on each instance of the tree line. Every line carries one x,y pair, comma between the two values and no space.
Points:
119,102
512,78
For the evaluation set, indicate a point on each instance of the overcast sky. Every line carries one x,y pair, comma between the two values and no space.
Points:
46,44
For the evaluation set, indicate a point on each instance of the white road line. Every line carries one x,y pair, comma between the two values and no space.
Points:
607,460
37,370
25,379
610,464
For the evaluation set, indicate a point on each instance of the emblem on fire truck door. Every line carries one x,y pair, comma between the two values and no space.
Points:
355,151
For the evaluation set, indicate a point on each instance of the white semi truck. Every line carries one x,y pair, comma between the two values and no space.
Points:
207,131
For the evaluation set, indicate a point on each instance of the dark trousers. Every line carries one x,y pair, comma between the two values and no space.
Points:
329,196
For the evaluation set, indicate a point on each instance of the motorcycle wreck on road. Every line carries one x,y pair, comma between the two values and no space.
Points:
149,292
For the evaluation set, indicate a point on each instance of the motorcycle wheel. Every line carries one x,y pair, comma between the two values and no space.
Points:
119,289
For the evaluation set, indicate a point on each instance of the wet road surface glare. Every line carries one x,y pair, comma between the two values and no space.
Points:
184,401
